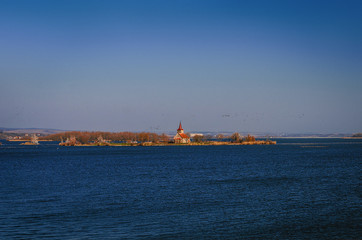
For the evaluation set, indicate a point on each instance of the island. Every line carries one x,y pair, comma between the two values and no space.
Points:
86,138
33,141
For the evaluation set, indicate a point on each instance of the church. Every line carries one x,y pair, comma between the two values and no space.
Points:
180,136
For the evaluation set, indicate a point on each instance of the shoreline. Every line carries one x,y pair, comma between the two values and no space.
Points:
315,137
147,144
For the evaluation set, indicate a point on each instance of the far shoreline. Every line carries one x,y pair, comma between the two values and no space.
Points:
315,137
149,144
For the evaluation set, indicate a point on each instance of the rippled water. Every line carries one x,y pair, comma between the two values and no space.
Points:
298,189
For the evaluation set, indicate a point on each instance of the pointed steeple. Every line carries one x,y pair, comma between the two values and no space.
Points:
180,129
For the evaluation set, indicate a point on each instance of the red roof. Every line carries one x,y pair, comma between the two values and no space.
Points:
183,135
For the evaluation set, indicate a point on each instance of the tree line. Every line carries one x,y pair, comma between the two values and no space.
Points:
87,137
237,138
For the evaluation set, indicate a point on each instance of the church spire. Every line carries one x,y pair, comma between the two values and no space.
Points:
180,129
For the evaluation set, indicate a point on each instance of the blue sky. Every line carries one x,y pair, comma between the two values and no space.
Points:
251,66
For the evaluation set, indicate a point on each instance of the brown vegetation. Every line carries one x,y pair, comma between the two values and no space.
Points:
77,138
249,138
102,138
71,141
220,136
237,138
198,138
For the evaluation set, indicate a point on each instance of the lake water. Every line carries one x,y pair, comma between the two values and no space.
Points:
297,189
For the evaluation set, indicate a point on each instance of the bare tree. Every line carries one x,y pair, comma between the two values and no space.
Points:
198,138
250,138
34,139
236,138
220,136
164,138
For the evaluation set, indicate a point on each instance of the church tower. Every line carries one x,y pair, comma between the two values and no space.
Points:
180,129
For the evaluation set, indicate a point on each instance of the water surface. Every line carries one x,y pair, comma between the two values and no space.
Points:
297,189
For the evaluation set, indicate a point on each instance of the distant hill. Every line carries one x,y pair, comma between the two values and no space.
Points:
7,132
314,135
281,135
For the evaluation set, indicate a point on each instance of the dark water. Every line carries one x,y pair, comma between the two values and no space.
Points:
298,189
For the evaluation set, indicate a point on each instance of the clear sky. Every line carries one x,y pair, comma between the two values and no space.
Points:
257,66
